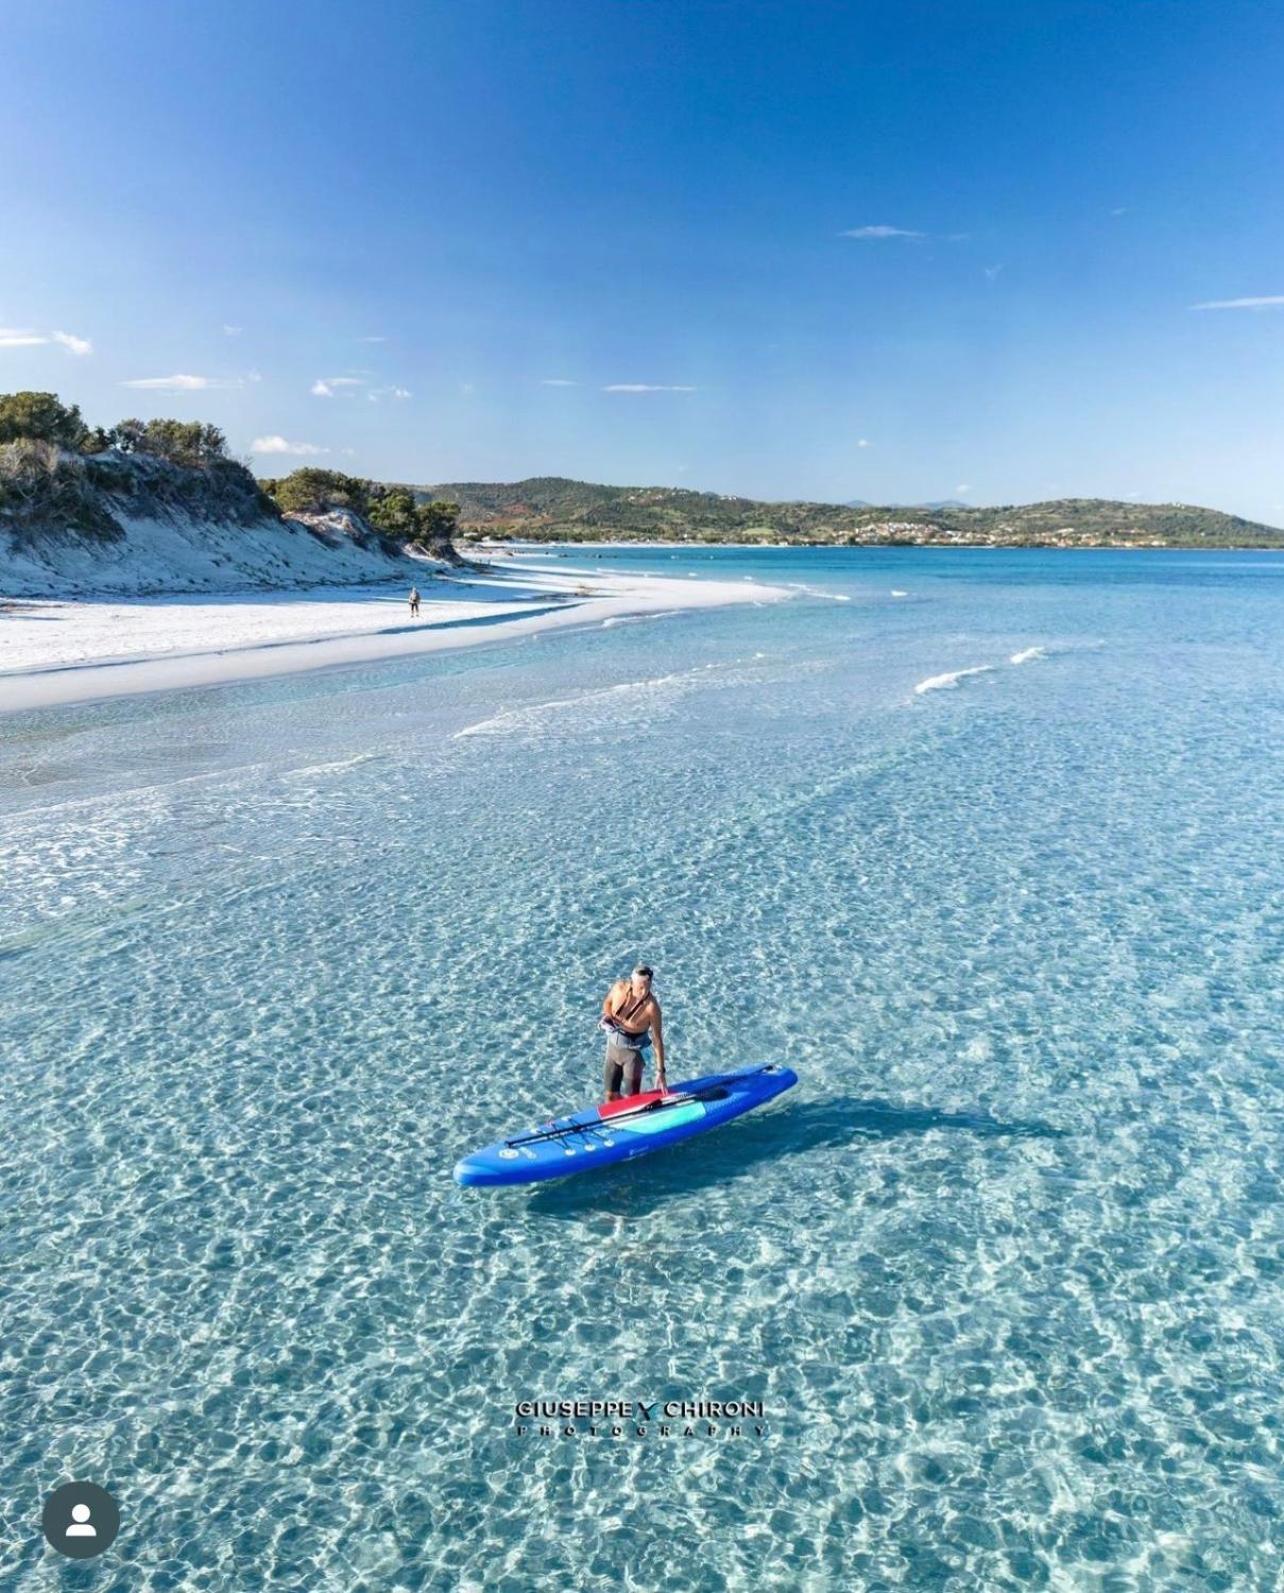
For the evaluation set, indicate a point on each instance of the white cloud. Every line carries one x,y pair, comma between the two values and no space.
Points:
402,392
557,381
232,331
372,340
73,344
992,271
863,442
645,387
1241,304
880,232
1120,210
182,384
962,487
327,386
24,337
278,445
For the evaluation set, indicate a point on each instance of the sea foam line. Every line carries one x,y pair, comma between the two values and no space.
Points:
328,768
817,591
1028,655
637,619
515,718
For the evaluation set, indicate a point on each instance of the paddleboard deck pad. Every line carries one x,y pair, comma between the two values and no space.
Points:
620,1130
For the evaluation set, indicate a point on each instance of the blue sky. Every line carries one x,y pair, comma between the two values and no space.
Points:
883,251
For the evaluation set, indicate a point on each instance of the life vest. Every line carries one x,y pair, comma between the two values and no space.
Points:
630,1008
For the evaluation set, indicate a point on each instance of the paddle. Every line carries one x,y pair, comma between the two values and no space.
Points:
604,1125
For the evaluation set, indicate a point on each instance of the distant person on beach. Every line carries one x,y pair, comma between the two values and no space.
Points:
414,601
631,1018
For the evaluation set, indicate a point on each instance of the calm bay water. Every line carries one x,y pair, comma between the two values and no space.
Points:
1006,1269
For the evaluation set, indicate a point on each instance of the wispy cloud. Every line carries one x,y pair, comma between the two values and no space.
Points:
963,487
646,387
881,232
232,331
332,386
279,445
862,442
557,381
184,384
24,337
376,393
1264,303
372,340
72,343
991,272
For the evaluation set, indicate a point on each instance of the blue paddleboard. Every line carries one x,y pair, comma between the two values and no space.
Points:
623,1129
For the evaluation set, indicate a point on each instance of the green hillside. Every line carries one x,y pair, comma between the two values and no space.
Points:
558,509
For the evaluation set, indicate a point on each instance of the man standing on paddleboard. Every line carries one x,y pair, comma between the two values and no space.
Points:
631,1018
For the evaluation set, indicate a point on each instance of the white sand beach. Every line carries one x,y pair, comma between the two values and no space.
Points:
55,652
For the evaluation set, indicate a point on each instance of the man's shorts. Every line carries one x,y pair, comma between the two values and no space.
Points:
623,1066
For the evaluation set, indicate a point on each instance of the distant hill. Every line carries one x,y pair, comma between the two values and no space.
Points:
558,509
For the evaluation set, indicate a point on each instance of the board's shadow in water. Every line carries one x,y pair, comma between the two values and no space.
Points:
739,1148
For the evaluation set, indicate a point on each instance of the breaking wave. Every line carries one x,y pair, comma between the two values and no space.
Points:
949,681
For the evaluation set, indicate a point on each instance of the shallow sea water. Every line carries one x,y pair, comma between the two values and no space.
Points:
1006,1269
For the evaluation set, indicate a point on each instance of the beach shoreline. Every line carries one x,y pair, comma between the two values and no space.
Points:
56,653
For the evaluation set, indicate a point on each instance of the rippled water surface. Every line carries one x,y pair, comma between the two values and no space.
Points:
995,865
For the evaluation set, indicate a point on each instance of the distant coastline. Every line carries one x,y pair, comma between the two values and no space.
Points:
516,543
557,510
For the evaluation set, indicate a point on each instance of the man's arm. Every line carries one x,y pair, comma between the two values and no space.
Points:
608,1011
657,1034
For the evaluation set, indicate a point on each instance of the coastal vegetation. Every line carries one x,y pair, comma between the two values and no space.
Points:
396,512
58,474
555,508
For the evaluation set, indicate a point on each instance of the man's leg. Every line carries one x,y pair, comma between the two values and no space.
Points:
611,1076
633,1073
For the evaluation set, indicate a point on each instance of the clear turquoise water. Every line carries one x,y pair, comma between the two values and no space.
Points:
1006,1268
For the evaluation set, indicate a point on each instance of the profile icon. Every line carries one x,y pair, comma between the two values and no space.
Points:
80,1519
80,1527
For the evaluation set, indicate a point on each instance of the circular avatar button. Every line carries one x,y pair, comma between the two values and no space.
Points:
80,1519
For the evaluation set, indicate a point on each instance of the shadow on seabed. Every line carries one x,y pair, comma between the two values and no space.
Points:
740,1147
